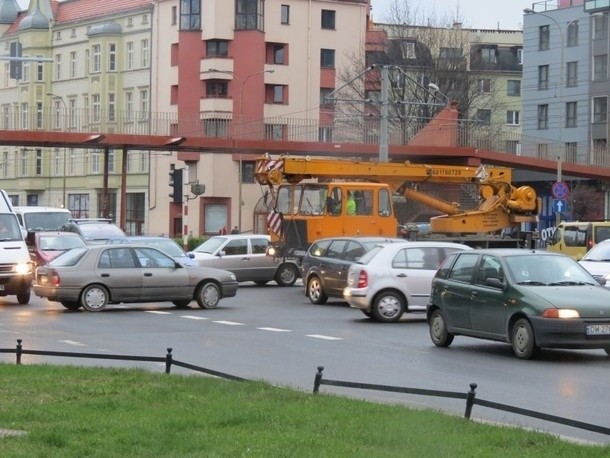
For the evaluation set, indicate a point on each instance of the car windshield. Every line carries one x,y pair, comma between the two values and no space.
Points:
600,252
100,231
60,243
544,270
211,245
69,258
45,221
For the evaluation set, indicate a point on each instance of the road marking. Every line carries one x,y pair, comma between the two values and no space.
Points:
275,329
158,312
72,342
229,323
191,317
319,336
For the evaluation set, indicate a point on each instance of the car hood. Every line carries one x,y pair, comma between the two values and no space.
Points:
590,301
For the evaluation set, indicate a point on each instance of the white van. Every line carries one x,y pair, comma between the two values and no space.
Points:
34,218
16,267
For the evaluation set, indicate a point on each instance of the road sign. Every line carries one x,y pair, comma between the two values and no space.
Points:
560,190
560,206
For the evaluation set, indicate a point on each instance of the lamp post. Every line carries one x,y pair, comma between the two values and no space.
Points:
63,102
242,85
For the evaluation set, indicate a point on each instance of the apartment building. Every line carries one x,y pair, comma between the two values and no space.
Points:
85,68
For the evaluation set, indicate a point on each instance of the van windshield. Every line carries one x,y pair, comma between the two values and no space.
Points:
9,228
45,221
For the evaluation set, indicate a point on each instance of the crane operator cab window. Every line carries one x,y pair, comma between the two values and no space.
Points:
333,202
359,202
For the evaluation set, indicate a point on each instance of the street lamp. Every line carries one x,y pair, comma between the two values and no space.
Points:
242,85
63,102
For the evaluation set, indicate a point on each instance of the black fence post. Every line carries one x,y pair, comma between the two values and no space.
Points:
470,400
18,351
318,380
168,361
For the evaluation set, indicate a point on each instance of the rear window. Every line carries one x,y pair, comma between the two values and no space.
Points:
69,258
370,255
601,233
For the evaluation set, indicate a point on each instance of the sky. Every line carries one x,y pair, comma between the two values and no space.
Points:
479,14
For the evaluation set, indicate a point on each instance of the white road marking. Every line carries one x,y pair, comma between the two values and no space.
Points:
275,329
229,323
158,312
72,342
319,336
191,317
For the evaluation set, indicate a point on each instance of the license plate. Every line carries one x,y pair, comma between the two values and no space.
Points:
598,330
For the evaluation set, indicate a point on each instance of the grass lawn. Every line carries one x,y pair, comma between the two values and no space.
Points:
69,411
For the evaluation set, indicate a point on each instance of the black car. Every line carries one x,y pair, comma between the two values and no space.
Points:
325,265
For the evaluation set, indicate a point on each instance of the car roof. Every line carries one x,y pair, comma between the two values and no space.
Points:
363,238
514,252
240,236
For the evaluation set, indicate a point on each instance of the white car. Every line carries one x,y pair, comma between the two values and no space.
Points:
246,256
597,262
395,278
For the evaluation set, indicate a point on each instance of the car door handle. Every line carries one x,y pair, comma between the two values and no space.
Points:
147,274
473,294
105,275
402,275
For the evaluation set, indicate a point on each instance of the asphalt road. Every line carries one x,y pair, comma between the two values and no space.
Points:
275,334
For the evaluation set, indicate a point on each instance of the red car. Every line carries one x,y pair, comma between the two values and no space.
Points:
44,246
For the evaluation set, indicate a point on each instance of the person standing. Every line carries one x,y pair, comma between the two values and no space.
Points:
350,205
235,230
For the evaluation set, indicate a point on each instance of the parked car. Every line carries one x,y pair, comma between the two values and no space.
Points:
530,299
246,256
94,231
324,267
165,244
597,261
97,275
47,245
395,278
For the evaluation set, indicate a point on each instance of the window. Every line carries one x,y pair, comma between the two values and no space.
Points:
111,107
324,100
78,204
247,172
190,15
96,62
215,127
57,66
325,134
513,87
544,37
275,93
542,150
23,162
274,131
144,107
571,152
543,116
129,55
39,115
572,34
38,163
174,15
73,64
285,14
450,53
216,88
96,106
327,58
600,27
484,85
571,114
328,19
600,67
520,55
249,14
40,70
217,48
144,53
543,77
128,106
111,57
484,117
488,54
95,162
600,109
214,217
276,53
56,162
572,74
512,118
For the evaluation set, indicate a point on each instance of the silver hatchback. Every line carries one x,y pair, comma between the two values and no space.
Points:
395,278
246,256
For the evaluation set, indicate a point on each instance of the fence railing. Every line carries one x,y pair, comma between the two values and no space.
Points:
469,396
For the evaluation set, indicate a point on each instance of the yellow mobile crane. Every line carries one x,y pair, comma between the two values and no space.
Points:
315,197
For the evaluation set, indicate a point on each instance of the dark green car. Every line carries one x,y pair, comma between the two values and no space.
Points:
530,299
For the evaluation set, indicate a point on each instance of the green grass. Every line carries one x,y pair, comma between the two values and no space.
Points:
97,412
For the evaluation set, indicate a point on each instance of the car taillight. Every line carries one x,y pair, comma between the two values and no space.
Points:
55,278
363,279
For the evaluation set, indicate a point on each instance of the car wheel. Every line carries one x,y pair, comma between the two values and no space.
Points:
71,305
367,313
208,295
387,307
523,341
23,298
287,274
315,292
438,330
182,304
94,298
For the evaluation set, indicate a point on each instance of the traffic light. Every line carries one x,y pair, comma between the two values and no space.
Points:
175,182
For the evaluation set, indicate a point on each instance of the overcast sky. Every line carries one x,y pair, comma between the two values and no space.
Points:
480,14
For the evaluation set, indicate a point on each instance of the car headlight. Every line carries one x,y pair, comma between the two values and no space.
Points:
233,277
23,268
271,251
561,313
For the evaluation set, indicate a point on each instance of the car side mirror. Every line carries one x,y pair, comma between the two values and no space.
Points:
222,253
601,281
191,255
494,283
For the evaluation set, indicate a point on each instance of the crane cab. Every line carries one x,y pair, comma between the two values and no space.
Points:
310,211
